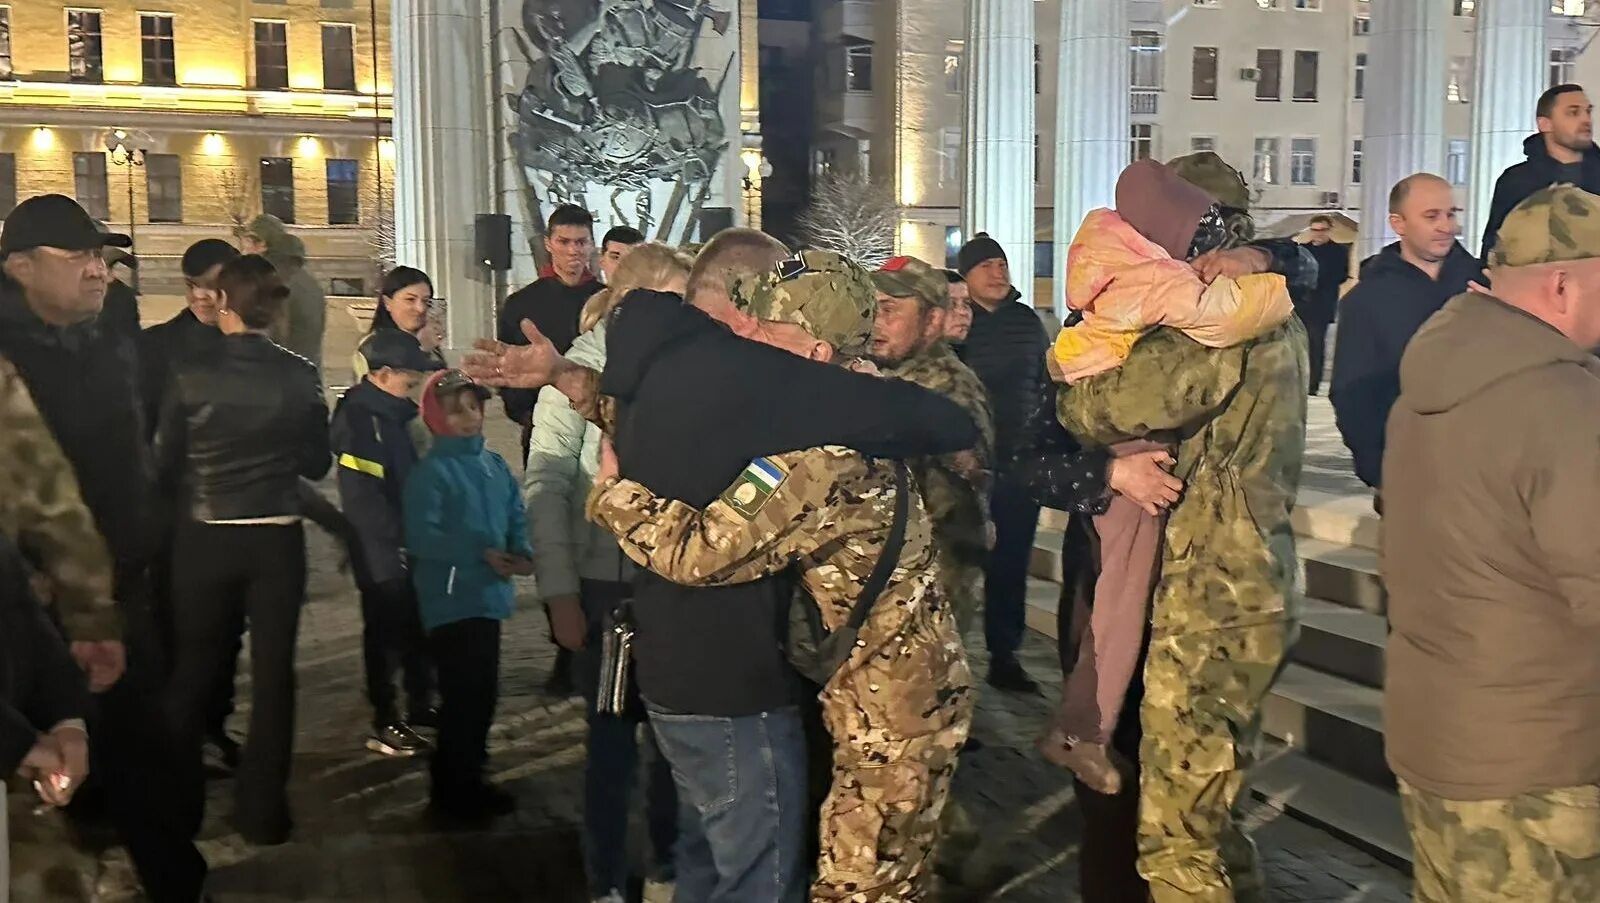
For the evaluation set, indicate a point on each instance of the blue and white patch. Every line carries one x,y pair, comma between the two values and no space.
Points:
755,484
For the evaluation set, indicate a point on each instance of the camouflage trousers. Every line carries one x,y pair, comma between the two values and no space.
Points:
1541,846
881,819
1201,720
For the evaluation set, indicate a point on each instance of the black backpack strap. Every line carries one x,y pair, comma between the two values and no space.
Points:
890,556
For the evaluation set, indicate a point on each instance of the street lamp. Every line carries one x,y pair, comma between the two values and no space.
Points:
123,153
755,164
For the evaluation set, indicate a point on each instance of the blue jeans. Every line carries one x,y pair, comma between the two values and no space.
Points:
742,791
608,792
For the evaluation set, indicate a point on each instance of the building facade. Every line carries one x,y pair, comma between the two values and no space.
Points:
183,119
1277,87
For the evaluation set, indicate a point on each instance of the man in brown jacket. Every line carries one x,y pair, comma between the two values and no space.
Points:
1491,554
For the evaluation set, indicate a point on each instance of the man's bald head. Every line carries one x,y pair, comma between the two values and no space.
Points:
1403,188
730,254
1422,213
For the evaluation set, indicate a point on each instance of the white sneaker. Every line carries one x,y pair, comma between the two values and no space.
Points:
658,891
613,897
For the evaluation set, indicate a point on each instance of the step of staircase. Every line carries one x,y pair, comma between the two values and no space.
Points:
1332,720
1363,816
1343,642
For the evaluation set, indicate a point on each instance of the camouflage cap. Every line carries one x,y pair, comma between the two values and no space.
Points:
1212,174
908,277
1554,224
826,294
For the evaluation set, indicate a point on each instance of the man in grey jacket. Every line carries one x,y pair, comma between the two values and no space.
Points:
308,303
582,578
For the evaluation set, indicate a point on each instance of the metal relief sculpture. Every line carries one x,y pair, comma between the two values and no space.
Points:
616,110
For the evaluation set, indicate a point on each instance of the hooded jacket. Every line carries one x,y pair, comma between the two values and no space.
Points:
307,310
374,453
1540,170
459,501
1376,320
695,405
1491,559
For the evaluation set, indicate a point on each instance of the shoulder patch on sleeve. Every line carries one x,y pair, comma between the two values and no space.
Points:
756,484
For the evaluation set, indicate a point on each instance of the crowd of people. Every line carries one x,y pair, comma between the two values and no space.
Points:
769,495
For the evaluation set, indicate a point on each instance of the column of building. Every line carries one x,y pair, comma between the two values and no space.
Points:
1404,121
998,188
1091,125
1511,73
442,141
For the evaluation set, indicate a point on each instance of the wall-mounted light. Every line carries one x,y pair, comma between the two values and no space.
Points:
43,139
386,148
213,144
309,146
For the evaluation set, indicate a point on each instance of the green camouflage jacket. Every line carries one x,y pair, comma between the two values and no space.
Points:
907,677
1241,415
42,511
955,488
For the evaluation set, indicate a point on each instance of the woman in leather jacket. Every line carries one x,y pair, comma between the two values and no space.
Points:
240,426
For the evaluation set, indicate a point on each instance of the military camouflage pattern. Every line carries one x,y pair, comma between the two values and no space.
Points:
42,510
1541,846
828,295
908,277
1224,607
1554,224
955,488
900,708
1215,177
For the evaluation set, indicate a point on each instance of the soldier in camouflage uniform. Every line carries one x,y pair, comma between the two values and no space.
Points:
44,514
908,343
1223,612
900,708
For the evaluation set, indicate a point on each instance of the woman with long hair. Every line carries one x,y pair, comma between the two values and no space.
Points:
405,302
240,426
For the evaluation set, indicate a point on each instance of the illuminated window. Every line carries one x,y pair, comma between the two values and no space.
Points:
1303,161
277,187
84,62
156,49
164,182
1459,89
343,179
272,55
1265,169
954,51
1567,7
339,57
89,183
1466,7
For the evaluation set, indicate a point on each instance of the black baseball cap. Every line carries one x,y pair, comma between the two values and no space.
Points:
398,350
55,221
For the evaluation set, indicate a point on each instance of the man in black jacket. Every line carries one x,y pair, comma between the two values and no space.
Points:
1400,288
696,404
85,381
1319,307
193,328
552,303
1561,152
1005,347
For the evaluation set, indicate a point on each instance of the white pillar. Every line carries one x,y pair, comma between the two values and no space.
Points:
442,141
1091,125
1404,117
998,191
1511,73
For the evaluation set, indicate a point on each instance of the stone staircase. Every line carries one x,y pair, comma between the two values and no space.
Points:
1324,762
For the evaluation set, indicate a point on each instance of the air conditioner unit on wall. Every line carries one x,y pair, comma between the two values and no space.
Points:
1330,199
1250,75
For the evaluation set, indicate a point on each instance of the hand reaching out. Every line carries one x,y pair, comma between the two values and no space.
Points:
531,366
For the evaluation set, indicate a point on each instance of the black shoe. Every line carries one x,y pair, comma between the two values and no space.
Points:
427,718
220,754
1007,674
263,836
397,739
470,806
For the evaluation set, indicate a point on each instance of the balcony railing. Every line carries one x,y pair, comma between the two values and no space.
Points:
1144,101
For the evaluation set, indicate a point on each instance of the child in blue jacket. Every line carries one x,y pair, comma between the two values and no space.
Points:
467,535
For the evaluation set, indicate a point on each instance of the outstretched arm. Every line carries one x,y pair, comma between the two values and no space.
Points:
773,514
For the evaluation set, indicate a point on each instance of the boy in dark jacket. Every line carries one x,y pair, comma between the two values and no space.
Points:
375,454
468,536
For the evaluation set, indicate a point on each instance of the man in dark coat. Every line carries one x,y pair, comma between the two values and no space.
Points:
1561,152
1400,288
1319,307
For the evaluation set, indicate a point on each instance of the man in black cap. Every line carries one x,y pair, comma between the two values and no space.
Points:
85,381
1005,347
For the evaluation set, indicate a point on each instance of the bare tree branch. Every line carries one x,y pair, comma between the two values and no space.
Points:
241,200
851,215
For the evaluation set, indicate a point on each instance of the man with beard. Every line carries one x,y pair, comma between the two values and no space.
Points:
1562,152
908,343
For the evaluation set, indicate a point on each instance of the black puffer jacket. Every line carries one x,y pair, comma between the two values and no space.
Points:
1006,349
240,426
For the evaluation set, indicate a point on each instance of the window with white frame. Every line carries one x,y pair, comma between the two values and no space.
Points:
1312,6
1361,24
954,53
1466,7
1207,3
1459,87
1360,92
1141,141
1563,65
1567,7
1269,4
1303,161
1264,169
1355,162
858,67
1201,143
158,56
1455,162
950,155
1144,60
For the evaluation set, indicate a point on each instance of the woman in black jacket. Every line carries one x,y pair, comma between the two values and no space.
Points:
240,426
